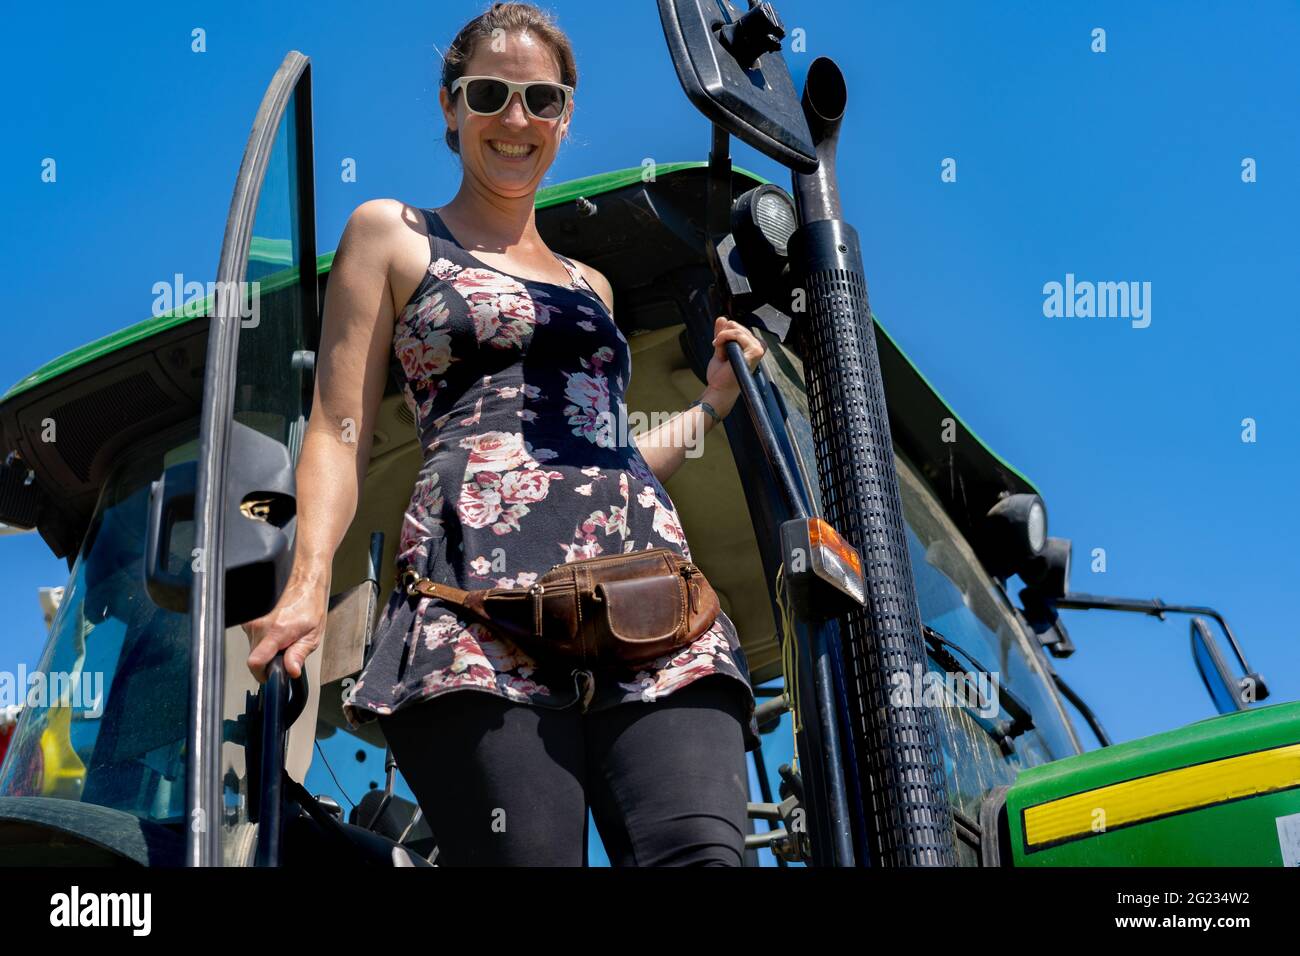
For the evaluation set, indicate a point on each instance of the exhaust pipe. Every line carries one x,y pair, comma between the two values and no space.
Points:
825,95
895,748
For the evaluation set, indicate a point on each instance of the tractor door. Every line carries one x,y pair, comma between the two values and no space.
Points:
257,391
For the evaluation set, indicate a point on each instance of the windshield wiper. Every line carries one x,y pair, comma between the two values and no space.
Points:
1004,731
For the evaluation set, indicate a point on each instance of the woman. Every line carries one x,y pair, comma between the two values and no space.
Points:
513,367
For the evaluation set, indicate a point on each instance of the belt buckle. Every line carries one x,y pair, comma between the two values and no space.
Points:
408,579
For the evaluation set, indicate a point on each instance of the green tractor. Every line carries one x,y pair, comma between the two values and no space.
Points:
860,536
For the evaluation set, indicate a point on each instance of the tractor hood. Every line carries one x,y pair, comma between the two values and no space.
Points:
1220,792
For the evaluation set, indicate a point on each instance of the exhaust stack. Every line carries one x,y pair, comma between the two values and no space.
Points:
817,194
894,746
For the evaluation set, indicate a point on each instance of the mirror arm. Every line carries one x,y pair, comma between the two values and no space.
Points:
1155,607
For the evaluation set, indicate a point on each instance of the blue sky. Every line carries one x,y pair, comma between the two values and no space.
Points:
1117,166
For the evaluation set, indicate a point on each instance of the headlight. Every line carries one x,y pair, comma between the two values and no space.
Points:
1015,533
774,214
1037,526
762,221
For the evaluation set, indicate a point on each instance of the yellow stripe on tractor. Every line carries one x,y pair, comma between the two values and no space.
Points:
1162,794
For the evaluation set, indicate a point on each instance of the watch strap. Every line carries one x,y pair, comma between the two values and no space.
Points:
707,407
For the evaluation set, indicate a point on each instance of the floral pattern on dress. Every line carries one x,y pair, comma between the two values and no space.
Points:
500,307
664,675
503,478
423,518
588,395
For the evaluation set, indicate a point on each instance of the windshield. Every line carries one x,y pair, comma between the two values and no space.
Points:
960,601
105,713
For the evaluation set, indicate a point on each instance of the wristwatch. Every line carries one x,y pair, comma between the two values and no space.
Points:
707,407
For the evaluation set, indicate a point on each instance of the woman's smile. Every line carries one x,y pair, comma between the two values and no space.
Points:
511,151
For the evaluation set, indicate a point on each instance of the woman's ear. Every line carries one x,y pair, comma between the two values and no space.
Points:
448,109
568,120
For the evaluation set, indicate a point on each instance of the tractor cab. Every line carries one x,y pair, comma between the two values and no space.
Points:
858,532
117,495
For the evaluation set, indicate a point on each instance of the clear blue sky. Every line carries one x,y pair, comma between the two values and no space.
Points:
1115,166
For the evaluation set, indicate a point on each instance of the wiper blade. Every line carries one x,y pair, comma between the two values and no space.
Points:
1020,718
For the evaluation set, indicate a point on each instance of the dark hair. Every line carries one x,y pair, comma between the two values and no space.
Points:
508,18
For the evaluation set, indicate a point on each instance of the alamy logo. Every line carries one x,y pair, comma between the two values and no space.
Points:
75,908
977,691
82,690
650,430
193,298
1101,300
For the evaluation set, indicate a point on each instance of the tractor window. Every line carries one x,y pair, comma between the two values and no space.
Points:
960,601
273,339
105,719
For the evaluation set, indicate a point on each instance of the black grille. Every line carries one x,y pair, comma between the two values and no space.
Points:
84,425
897,747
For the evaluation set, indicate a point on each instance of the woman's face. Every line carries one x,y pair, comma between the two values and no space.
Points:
520,57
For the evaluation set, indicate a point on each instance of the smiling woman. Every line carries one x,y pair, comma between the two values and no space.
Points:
512,366
534,38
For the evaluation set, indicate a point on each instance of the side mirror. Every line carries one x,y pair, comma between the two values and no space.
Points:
1228,693
730,65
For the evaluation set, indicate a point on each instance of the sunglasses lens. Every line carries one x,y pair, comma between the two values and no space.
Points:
485,96
545,100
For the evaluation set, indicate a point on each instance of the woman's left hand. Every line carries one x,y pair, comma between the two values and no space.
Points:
722,384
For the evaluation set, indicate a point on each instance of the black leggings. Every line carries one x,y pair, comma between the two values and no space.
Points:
508,784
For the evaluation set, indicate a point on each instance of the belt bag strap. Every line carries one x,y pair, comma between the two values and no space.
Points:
624,609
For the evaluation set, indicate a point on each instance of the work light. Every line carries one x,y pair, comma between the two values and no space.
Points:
762,221
1015,533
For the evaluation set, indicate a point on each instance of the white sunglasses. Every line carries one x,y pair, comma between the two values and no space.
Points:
488,96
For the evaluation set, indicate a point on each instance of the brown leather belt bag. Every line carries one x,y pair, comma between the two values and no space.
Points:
619,609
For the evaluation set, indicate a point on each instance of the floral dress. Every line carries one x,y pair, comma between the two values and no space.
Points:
516,387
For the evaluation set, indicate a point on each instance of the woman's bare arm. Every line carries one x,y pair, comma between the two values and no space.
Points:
351,370
666,446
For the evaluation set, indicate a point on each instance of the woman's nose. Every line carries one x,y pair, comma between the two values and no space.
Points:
514,115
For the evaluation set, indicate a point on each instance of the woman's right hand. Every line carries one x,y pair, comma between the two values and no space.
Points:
296,625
